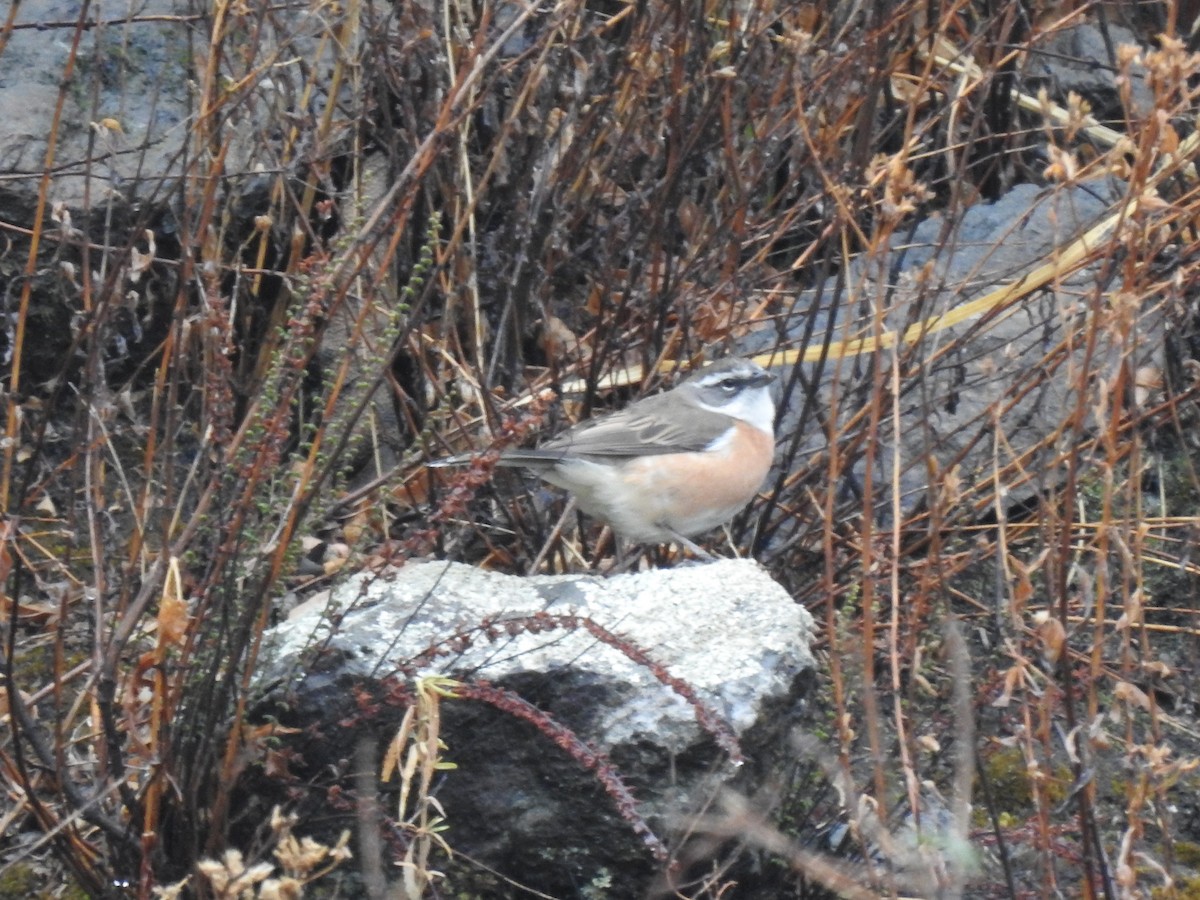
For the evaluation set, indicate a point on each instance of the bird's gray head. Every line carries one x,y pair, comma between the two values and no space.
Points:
735,387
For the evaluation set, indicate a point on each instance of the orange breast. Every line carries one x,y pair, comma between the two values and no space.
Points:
691,493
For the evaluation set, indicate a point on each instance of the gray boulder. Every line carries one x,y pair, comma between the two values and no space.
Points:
518,802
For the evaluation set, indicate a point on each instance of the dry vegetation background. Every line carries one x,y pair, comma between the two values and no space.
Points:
372,232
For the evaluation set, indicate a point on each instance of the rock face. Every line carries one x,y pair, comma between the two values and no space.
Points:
517,802
137,65
1082,58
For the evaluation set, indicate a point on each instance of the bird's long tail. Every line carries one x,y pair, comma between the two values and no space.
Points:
531,459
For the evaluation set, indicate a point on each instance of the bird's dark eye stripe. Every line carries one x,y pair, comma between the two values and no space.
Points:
732,382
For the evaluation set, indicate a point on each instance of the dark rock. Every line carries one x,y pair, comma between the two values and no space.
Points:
1079,59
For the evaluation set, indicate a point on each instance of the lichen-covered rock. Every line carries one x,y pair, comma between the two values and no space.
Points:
517,801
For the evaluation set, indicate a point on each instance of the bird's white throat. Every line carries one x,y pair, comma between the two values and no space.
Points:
753,406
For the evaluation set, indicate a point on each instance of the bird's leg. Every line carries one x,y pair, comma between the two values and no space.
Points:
730,542
691,546
625,554
555,536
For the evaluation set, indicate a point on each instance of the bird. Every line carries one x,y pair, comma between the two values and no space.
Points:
670,466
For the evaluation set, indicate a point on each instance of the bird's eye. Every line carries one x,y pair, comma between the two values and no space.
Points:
729,385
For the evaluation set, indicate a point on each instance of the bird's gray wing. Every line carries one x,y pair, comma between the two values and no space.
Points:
646,428
649,427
